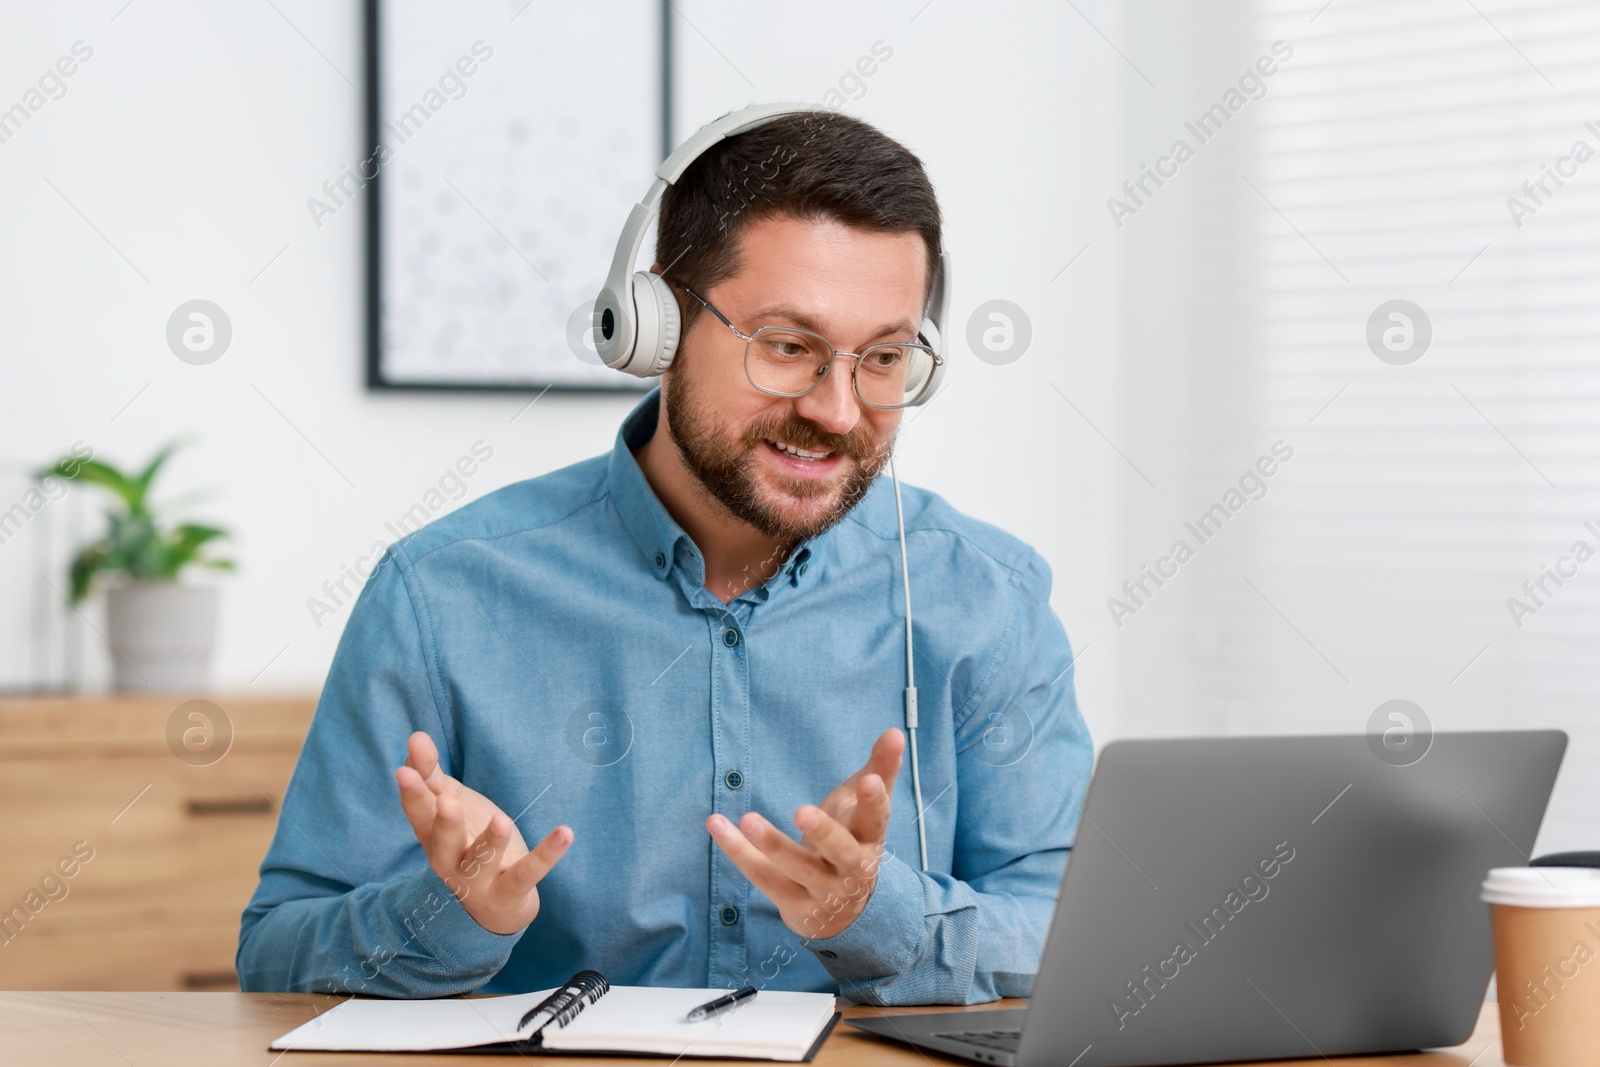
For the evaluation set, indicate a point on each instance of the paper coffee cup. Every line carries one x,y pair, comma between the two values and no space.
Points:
1547,963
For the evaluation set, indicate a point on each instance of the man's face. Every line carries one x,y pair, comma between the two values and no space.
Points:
854,287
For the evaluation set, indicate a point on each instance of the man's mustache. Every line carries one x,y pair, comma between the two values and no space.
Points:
800,437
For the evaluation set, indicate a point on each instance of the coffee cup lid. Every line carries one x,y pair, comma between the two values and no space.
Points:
1543,887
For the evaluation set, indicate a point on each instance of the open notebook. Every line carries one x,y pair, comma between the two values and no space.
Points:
585,1015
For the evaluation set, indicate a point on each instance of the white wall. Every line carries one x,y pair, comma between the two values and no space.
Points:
177,166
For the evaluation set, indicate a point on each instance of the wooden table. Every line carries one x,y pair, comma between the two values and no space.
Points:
68,1029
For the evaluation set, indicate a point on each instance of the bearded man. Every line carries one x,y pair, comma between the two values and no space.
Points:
678,668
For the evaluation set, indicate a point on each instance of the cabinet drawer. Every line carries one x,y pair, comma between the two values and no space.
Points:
176,845
166,836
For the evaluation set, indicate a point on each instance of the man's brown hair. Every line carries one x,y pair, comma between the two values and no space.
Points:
812,165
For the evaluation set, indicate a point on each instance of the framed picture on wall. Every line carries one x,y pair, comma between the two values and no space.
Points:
509,140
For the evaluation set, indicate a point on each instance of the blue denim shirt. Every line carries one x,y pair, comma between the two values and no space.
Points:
556,640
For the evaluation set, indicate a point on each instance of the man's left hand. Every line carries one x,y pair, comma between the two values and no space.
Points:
821,882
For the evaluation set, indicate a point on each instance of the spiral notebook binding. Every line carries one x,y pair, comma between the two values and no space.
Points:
565,1004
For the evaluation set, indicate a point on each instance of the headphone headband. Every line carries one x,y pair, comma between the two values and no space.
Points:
729,125
641,338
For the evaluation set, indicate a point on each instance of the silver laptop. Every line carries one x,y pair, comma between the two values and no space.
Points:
1268,898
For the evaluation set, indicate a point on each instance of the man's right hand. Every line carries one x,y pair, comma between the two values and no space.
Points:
473,846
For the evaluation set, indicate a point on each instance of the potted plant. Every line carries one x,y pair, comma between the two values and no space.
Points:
162,632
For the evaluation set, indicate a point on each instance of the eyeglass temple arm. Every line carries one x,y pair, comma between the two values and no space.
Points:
707,305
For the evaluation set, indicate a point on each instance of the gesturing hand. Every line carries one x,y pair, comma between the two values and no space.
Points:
473,846
822,882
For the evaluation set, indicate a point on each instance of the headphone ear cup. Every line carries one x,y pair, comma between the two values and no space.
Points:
656,315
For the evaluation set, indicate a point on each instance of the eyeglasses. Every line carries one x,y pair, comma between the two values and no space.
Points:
789,361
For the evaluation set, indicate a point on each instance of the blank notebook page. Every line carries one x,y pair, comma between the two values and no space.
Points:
774,1024
412,1025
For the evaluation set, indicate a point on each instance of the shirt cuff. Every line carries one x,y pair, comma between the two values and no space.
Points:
445,931
885,939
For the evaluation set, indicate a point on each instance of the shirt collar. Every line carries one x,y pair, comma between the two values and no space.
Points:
665,545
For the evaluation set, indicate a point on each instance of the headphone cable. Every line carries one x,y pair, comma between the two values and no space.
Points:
911,684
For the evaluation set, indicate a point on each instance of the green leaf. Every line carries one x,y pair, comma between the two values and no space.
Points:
183,544
148,474
84,566
98,473
198,534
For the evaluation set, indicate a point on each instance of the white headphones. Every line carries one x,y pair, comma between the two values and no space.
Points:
635,318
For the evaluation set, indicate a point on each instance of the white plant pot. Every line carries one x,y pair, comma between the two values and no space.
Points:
162,635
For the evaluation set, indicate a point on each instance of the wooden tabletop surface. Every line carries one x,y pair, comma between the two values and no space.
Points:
69,1029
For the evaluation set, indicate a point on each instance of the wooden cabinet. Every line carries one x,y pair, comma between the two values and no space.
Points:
131,830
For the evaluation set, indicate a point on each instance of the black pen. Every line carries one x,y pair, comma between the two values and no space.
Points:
721,1004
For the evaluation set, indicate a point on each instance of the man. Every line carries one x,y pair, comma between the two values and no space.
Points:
678,669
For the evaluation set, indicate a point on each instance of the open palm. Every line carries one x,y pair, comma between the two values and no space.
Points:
473,846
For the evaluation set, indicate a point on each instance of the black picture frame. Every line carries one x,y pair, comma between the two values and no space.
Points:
373,225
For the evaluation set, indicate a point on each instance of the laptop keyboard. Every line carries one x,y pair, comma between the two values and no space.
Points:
999,1040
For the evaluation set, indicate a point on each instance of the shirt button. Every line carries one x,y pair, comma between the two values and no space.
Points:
734,779
661,561
729,915
730,637
827,953
802,568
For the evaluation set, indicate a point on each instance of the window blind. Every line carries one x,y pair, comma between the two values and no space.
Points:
1445,153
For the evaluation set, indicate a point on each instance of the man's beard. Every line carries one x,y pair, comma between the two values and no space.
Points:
728,473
